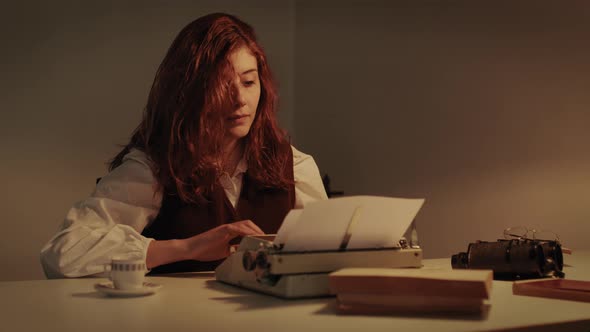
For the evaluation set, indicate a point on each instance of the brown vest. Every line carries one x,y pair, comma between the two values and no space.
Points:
266,207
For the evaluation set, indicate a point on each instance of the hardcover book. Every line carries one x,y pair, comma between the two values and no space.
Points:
575,290
382,290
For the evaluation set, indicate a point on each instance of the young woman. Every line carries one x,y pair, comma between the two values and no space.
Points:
207,164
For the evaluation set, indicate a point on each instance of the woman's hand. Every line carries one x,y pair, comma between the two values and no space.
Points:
214,244
208,246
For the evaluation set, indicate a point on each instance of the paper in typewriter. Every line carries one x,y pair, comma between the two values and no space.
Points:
370,222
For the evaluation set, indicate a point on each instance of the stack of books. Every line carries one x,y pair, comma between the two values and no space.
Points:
382,290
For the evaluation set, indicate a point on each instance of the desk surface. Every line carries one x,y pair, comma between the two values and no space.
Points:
196,302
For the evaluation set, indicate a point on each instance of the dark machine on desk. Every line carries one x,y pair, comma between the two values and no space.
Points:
512,259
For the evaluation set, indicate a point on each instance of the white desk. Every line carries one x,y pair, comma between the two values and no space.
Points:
196,302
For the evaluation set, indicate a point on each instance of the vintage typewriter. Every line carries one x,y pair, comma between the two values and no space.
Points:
356,231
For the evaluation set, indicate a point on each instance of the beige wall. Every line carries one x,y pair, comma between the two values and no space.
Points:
75,78
481,107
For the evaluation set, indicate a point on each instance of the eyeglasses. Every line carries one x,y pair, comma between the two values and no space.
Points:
524,233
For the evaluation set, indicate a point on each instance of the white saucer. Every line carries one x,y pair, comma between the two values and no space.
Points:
109,289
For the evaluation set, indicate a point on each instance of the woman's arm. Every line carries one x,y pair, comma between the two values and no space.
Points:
106,224
109,223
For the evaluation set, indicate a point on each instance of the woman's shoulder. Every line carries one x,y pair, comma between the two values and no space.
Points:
300,157
308,181
136,156
135,167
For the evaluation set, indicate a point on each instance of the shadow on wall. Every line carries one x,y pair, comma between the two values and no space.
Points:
479,107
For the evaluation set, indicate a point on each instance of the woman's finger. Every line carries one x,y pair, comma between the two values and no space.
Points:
236,229
251,225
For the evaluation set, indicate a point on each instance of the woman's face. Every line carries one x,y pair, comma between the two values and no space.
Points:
247,85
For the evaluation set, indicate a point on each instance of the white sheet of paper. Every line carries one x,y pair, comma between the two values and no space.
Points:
287,226
322,225
383,221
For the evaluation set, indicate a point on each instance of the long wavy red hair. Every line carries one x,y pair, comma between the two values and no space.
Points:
183,128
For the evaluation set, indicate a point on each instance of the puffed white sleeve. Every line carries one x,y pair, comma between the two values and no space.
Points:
308,182
106,224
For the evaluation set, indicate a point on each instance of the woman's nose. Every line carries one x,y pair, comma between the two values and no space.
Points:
238,95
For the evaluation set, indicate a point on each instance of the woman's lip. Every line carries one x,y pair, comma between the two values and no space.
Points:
238,120
237,117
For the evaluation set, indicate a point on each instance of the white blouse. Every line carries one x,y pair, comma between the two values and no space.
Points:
109,222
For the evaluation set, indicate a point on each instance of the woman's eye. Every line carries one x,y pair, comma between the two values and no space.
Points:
248,83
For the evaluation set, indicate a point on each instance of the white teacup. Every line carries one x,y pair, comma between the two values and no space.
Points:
127,273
